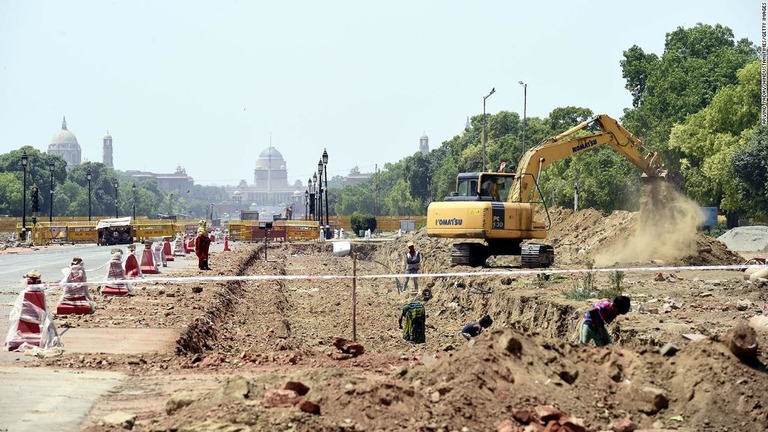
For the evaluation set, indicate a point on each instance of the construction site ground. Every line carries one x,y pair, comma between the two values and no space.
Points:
227,350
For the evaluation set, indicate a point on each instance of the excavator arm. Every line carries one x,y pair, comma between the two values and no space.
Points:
567,144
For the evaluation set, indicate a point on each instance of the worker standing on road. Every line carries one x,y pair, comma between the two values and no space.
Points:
475,328
602,313
412,266
202,243
415,318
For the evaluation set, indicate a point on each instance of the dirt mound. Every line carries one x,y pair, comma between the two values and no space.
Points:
622,238
500,376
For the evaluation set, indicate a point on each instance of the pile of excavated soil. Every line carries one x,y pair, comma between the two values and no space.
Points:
746,239
617,238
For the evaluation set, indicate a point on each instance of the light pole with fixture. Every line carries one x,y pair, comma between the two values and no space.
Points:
51,167
115,184
311,198
89,176
133,189
318,191
320,184
493,90
325,174
525,106
306,203
24,162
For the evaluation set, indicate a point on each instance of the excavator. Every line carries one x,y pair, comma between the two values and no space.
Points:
499,208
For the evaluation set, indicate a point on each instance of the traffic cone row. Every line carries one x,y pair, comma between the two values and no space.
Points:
32,323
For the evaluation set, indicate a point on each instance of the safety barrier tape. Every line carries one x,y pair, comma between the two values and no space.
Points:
206,279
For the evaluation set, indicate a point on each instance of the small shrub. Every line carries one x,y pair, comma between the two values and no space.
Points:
583,287
615,289
362,222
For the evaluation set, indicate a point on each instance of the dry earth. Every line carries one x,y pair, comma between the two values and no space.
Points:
241,342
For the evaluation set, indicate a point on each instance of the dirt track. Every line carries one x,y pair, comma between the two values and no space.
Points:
241,341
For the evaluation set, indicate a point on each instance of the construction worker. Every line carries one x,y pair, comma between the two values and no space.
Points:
415,319
475,328
412,266
202,243
602,313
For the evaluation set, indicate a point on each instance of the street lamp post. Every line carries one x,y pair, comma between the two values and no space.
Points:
525,106
325,174
318,191
133,189
24,162
311,199
306,203
493,90
170,204
320,197
89,176
115,183
51,167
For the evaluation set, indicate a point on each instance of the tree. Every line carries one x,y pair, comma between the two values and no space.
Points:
707,140
696,63
750,170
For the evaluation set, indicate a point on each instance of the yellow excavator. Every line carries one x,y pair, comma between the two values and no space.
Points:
499,208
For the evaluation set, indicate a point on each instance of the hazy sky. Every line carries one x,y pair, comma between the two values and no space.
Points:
205,84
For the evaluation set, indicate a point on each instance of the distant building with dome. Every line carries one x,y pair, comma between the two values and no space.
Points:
64,144
270,190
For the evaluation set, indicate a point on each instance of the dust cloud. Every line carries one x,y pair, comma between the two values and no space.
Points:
666,231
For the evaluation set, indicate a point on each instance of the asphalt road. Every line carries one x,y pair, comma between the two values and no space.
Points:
43,399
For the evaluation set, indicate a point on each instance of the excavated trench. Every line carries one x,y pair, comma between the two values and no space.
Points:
456,300
203,331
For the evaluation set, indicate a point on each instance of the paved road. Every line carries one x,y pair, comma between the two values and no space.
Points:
43,399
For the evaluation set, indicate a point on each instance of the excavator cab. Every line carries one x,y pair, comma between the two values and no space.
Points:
482,187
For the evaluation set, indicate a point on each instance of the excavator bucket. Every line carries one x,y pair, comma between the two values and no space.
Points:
674,178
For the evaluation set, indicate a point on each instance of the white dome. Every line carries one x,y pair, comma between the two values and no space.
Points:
270,158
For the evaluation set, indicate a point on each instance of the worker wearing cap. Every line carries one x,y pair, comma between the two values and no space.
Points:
412,266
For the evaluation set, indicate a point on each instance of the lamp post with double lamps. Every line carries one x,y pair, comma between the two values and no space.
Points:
115,184
24,162
89,176
51,168
493,90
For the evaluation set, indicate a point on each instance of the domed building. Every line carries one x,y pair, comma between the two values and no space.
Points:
64,143
270,172
270,190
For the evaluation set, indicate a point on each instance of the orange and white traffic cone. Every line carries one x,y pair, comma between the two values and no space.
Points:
226,244
31,322
147,260
167,249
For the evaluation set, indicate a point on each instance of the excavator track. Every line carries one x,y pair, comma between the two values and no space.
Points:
536,255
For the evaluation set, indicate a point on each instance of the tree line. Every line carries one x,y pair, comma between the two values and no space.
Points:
70,197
